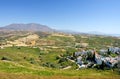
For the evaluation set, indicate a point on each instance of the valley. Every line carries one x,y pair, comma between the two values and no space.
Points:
58,55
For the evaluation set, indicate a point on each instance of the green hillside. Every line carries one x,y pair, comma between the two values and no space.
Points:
47,61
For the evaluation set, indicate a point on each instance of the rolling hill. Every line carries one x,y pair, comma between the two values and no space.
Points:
31,51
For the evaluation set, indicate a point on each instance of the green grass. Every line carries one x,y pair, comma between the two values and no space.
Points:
22,55
11,67
19,65
15,49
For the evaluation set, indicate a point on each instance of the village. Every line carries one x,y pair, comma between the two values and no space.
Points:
103,59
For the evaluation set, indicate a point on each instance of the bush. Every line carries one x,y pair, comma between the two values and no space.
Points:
62,60
50,65
5,58
57,57
32,61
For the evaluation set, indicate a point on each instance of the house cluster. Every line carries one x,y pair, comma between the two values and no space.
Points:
91,58
114,50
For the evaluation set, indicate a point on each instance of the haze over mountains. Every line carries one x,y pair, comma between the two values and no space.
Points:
45,28
28,27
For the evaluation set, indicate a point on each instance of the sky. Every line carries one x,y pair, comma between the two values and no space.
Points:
75,15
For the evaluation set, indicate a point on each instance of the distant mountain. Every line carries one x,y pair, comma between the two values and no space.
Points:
100,33
27,27
116,35
96,33
43,28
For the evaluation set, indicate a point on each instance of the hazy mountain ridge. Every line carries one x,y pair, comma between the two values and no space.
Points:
43,28
28,27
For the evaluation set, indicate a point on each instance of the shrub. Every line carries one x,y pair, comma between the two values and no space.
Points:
57,57
49,64
32,61
5,58
62,60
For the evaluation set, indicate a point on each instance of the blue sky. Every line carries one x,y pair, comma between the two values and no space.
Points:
76,15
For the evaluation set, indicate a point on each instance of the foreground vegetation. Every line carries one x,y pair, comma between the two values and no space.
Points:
47,60
10,68
24,62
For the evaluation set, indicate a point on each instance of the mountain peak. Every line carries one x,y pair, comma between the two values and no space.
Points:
28,27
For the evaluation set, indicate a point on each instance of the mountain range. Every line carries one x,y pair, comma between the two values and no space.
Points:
27,27
44,28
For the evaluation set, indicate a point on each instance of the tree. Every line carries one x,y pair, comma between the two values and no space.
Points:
62,60
93,57
109,52
89,56
102,65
